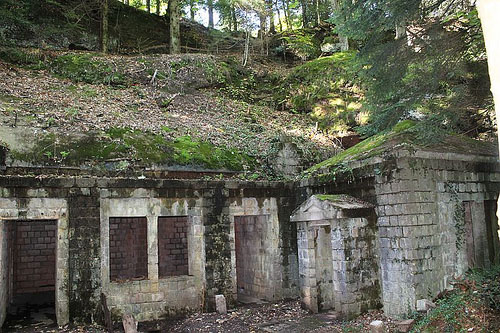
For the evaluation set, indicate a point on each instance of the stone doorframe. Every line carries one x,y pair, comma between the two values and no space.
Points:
39,209
251,207
345,217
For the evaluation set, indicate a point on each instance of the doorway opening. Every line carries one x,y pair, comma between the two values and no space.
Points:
32,273
324,267
252,275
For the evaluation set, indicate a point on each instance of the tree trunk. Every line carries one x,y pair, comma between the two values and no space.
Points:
262,31
262,24
344,42
272,28
303,4
233,17
191,9
104,26
210,5
158,5
400,30
148,6
175,45
107,314
318,17
286,12
279,16
488,14
246,50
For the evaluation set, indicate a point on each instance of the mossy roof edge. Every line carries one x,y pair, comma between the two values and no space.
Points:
397,139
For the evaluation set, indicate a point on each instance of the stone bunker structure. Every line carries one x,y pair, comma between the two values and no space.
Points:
385,231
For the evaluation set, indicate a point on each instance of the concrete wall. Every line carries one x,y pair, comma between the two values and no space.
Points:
153,296
84,231
421,224
421,199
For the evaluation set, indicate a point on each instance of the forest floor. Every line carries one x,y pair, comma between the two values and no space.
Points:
285,316
473,305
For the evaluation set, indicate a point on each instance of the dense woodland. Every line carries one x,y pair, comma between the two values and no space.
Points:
416,59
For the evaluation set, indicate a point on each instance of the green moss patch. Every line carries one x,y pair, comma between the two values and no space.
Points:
325,88
330,197
364,149
29,58
87,68
135,146
404,132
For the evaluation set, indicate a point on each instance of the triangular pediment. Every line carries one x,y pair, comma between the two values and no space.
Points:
326,207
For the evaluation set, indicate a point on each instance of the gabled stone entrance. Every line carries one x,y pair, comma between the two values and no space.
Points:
338,269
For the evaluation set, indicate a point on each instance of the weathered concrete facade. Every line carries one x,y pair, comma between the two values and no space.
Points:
434,218
83,208
431,217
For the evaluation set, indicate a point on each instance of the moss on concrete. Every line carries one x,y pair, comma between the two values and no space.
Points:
405,132
366,148
330,197
135,146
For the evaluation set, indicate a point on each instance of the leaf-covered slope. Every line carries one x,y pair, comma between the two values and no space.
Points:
167,110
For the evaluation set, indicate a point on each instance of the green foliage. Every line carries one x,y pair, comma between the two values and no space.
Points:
88,69
488,285
436,74
301,43
476,298
242,88
13,18
450,311
325,87
458,215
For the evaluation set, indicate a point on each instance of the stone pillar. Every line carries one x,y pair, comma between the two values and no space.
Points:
62,268
307,267
4,270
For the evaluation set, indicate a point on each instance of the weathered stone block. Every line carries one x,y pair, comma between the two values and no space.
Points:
220,304
377,326
423,305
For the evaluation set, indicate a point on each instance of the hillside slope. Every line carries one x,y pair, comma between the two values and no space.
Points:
82,109
74,24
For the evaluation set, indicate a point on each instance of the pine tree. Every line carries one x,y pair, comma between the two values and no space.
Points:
418,59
